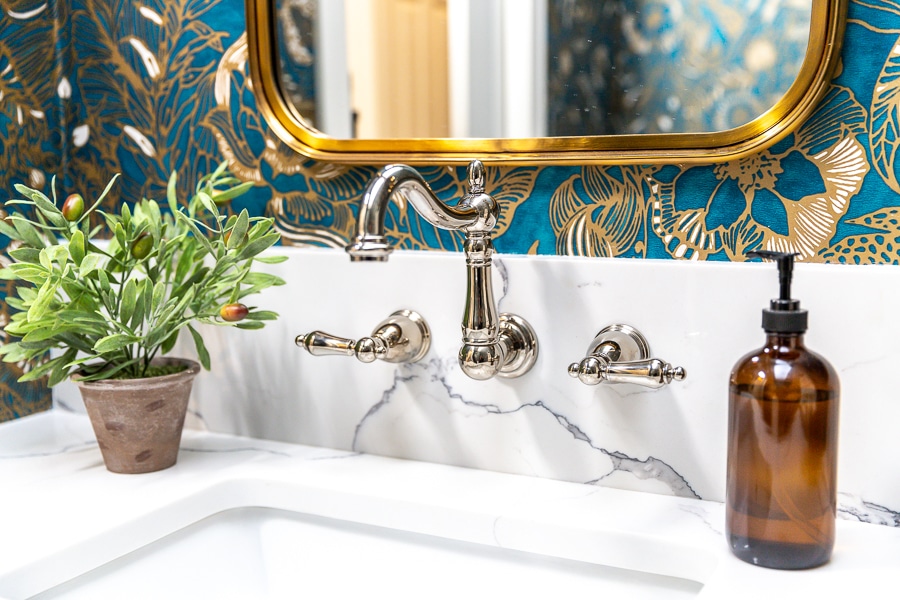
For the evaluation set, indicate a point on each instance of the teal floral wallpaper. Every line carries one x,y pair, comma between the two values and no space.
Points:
89,88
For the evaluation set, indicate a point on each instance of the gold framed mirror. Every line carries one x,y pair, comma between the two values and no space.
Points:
826,26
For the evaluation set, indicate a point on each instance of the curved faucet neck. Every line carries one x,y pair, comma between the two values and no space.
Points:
476,211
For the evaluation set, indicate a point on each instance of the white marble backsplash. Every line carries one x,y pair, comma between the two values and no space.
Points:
702,316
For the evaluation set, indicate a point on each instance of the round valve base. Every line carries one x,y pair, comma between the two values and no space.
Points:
522,343
632,344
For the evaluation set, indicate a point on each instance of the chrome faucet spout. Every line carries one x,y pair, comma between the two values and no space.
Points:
503,345
370,243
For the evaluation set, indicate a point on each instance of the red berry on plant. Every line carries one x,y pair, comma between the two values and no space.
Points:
73,207
234,312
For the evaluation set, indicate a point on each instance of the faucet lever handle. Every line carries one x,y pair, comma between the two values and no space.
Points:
620,354
652,373
319,343
402,337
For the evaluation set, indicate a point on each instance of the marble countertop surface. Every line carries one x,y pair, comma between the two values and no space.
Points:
64,514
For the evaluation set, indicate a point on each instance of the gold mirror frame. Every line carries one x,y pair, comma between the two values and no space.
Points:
825,37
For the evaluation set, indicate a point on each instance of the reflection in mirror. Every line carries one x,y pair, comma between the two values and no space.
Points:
383,69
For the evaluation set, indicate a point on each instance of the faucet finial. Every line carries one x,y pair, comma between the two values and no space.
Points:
486,208
475,175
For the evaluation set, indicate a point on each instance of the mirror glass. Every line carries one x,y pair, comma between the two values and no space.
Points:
388,69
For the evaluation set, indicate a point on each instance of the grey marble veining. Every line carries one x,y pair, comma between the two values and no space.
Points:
702,316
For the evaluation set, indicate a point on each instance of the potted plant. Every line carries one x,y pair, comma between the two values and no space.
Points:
104,312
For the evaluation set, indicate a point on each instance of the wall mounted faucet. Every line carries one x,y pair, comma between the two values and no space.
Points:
504,345
402,337
621,354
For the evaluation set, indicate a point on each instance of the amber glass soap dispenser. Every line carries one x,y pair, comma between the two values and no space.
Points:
781,495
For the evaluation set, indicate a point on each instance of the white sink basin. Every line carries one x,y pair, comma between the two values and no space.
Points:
250,553
247,519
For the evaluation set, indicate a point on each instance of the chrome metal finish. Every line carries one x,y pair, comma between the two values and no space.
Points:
503,345
402,337
621,354
370,243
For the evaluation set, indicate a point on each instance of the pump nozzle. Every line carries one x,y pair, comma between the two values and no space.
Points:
785,262
784,314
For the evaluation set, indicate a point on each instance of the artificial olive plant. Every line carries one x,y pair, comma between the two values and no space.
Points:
109,307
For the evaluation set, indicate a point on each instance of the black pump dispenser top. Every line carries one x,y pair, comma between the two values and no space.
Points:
784,314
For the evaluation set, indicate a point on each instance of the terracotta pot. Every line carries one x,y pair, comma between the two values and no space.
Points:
138,422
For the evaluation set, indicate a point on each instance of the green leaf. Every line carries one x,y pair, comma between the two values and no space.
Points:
262,315
15,353
8,348
208,203
99,200
220,169
44,257
125,214
111,220
119,232
175,308
47,332
185,261
239,231
62,370
44,204
144,303
113,369
154,216
23,254
128,301
57,254
265,279
102,276
188,284
158,296
250,325
171,192
42,369
258,245
26,231
8,230
16,303
86,317
169,343
114,342
202,352
44,298
77,248
198,235
91,263
270,260
229,194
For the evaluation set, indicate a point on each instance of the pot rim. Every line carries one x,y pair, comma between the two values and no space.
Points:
193,368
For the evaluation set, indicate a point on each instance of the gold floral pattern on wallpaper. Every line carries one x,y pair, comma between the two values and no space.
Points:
162,85
30,87
144,75
29,145
89,88
830,165
607,219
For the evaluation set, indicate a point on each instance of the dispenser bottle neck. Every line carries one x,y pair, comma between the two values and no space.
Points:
789,341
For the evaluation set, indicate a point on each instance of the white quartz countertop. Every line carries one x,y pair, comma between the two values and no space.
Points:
63,514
